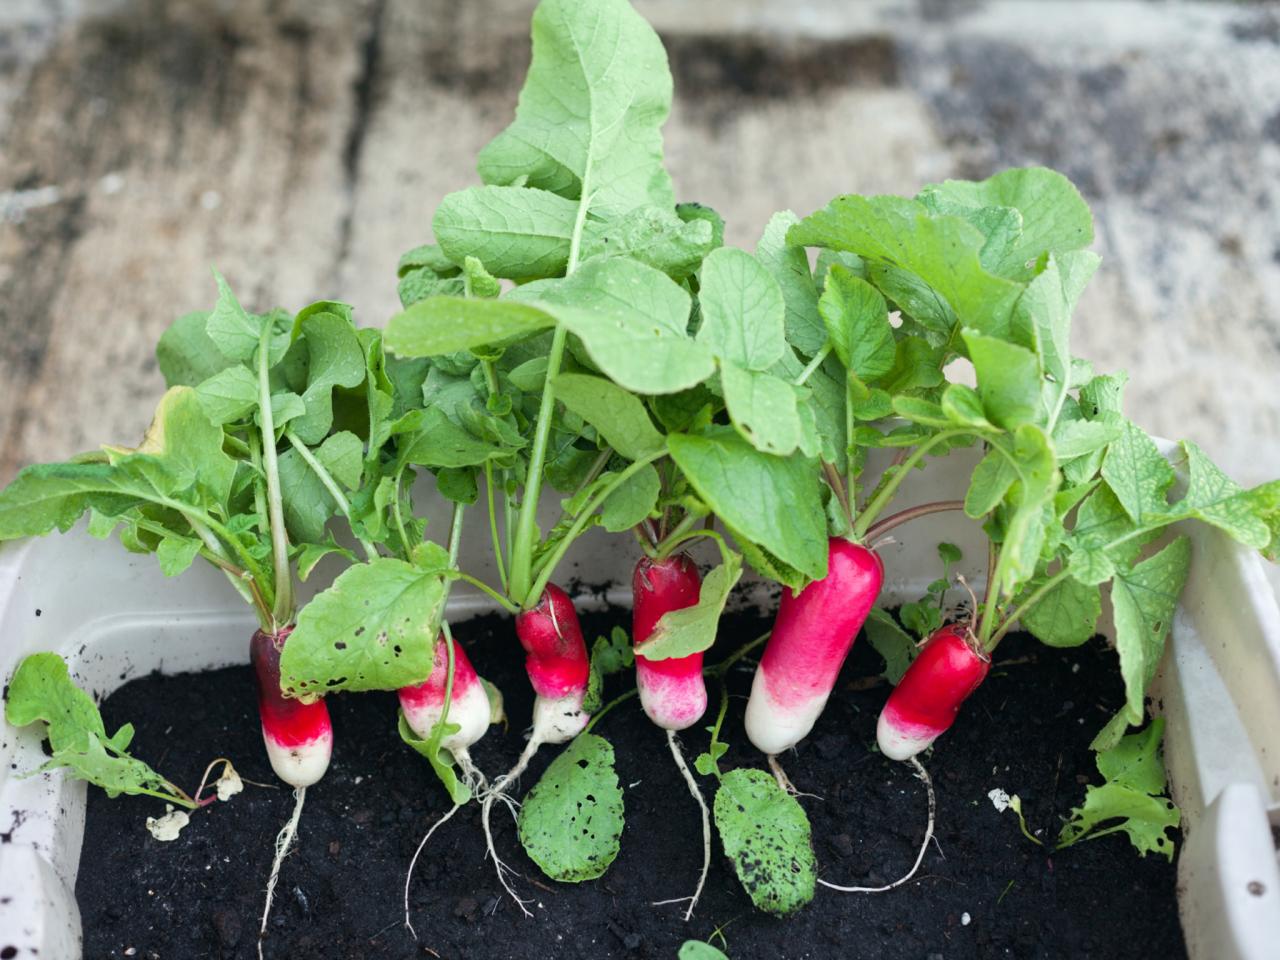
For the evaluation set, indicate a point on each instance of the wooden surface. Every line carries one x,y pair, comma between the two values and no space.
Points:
301,146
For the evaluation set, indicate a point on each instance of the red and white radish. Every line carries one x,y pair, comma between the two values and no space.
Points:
299,741
924,704
559,669
811,637
423,703
672,691
298,735
424,706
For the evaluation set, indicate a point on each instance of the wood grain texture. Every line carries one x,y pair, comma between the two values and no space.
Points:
301,146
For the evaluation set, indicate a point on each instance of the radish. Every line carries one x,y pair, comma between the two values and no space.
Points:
423,704
926,700
298,735
811,637
299,741
453,681
672,691
559,669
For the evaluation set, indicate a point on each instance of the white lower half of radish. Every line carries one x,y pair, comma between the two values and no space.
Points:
672,702
299,764
773,726
470,711
900,739
558,719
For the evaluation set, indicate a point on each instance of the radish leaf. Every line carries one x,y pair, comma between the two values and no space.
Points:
374,629
443,325
1131,799
790,268
591,110
857,323
1066,616
571,822
618,415
773,502
699,950
437,756
653,236
763,408
516,232
689,630
766,834
742,310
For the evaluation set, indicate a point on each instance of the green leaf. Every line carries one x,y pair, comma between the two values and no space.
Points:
571,822
762,408
516,232
1216,499
1045,311
42,690
590,114
990,481
773,502
619,416
767,837
310,554
1138,475
690,630
233,331
1131,798
307,504
633,321
1054,217
478,281
653,236
1143,600
374,629
1078,438
459,792
609,655
1008,380
699,950
175,553
185,354
184,439
916,365
444,325
940,251
342,454
690,212
417,285
857,322
429,256
229,395
458,485
790,267
742,310
893,643
436,441
1066,616
334,359
631,502
962,406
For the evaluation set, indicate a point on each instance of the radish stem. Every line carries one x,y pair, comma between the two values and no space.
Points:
493,525
928,835
678,756
876,530
282,609
284,840
887,488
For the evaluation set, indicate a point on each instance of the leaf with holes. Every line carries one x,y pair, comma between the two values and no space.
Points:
374,629
766,834
571,822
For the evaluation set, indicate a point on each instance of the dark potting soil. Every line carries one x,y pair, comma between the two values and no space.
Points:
983,890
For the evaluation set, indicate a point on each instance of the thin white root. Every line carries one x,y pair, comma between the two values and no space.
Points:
408,877
678,755
498,791
784,781
928,835
284,841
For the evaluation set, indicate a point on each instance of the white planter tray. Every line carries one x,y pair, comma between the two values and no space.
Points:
114,617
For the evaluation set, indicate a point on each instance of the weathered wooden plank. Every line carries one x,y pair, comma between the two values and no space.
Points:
303,146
